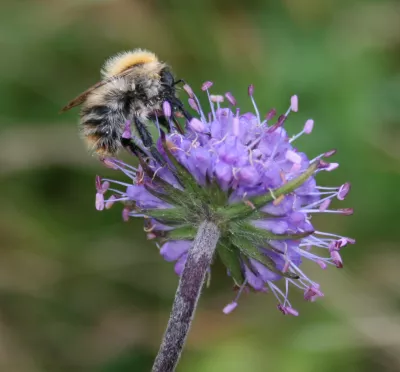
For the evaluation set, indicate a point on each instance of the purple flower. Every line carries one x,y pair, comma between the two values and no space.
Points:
244,173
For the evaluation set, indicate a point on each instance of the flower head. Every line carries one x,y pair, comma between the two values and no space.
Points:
243,173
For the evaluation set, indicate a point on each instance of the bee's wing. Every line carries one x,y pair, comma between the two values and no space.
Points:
82,97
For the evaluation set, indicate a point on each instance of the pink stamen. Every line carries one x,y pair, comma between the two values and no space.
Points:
110,201
230,98
278,124
98,183
188,90
270,115
125,214
250,90
229,308
312,293
308,126
193,105
285,310
325,204
343,191
104,187
342,242
206,85
108,162
337,259
99,201
330,153
291,311
346,211
328,166
216,98
294,103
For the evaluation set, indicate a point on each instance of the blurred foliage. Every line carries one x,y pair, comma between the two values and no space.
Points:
83,291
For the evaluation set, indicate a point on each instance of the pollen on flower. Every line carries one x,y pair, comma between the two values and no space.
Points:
171,146
217,98
245,174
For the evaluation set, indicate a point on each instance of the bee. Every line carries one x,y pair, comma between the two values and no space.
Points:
133,88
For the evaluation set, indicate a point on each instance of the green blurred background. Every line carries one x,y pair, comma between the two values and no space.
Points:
82,291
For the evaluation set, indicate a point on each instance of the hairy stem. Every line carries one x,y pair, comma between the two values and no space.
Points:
186,297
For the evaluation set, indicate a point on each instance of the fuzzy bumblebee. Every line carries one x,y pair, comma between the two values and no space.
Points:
134,87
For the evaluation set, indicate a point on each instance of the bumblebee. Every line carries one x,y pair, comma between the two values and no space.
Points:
134,86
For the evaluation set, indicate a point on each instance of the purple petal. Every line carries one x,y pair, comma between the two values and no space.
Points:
180,265
223,172
253,280
276,226
143,198
197,125
172,250
265,274
248,175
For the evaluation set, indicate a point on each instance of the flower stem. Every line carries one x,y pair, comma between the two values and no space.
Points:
186,297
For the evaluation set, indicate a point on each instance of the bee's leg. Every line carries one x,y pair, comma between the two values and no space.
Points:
143,132
177,125
162,120
147,140
132,147
177,104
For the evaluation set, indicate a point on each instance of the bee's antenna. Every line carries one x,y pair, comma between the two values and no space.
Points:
178,82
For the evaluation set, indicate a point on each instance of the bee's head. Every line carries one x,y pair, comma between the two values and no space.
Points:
167,78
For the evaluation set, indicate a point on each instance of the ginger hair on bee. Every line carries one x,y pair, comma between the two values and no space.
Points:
125,60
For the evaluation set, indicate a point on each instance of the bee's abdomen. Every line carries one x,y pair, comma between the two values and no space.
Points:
102,127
